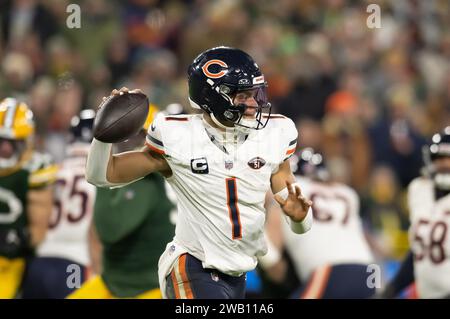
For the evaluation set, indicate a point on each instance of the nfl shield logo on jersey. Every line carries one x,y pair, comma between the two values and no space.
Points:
228,164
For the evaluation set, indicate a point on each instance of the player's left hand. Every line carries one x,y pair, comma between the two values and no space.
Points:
295,206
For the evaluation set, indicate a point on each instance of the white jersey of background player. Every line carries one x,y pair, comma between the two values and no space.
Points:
429,233
334,250
220,165
337,236
73,200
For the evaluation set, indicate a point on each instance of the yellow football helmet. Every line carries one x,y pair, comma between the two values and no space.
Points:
16,134
152,111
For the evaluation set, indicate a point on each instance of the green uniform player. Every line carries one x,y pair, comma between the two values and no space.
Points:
25,195
14,197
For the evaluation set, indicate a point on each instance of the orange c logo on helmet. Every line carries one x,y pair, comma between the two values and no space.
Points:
214,75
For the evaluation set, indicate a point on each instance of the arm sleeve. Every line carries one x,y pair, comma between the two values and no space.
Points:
290,136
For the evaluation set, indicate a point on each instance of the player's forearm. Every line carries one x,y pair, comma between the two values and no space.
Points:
130,166
104,170
39,210
95,250
37,234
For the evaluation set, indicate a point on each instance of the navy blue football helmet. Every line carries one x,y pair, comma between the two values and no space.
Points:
310,163
439,147
81,127
216,76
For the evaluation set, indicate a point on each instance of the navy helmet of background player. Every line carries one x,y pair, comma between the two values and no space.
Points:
216,76
438,150
81,127
310,163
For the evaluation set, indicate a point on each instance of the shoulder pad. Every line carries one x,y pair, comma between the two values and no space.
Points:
42,170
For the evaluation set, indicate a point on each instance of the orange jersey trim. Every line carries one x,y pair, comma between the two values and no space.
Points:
154,149
289,152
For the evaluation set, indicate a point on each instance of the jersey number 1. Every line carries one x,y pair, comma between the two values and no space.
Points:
233,209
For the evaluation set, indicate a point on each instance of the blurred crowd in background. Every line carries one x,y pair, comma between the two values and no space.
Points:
369,99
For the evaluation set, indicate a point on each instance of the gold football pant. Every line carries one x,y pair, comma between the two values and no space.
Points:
11,274
95,288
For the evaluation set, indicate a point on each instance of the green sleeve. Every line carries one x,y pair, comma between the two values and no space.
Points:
117,212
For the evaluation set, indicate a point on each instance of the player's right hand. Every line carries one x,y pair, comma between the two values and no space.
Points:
121,91
124,90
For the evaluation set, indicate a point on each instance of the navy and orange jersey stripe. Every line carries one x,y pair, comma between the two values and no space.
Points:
154,144
294,141
233,208
180,279
291,149
154,149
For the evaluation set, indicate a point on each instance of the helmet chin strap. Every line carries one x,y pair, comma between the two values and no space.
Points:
235,128
218,123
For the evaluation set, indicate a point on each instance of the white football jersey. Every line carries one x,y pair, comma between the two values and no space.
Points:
429,239
336,236
73,200
221,192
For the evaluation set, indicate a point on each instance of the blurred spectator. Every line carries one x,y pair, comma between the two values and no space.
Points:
395,139
22,17
41,97
18,73
310,134
66,104
346,144
384,212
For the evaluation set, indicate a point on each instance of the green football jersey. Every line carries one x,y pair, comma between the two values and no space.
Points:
133,224
14,188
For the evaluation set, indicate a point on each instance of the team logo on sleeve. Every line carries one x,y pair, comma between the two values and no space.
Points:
199,165
256,162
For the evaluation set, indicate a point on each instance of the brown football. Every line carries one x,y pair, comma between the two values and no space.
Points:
120,117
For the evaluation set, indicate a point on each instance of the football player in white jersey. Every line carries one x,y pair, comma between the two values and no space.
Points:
428,263
332,259
220,164
65,248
